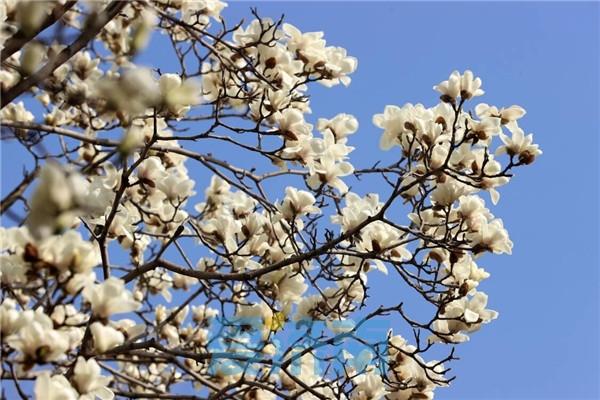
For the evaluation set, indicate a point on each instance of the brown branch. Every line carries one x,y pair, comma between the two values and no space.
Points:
17,192
84,38
21,38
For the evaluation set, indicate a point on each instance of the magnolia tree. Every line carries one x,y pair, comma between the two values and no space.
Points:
119,280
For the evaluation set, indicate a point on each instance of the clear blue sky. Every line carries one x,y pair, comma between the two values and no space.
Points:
543,56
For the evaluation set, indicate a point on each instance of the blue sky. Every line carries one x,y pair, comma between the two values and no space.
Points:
544,57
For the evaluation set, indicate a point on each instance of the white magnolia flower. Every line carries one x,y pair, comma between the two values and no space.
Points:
255,30
310,46
89,382
395,122
292,125
475,309
329,145
470,86
328,171
491,236
466,86
105,337
216,194
56,387
357,210
465,272
278,64
8,78
203,314
473,210
486,128
69,252
369,386
297,203
241,204
67,314
450,89
304,368
85,66
200,11
257,316
462,315
57,117
37,339
58,199
408,369
286,285
341,126
338,65
178,95
16,112
224,230
519,144
159,281
151,171
183,281
384,240
133,138
110,297
9,317
133,91
506,115
447,193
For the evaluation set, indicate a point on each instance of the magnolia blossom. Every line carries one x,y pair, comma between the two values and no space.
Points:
202,10
297,203
465,274
132,91
9,317
341,126
58,199
466,86
410,371
16,112
447,193
89,382
36,338
304,369
110,297
519,144
492,237
178,95
69,252
203,314
506,115
55,387
357,210
310,46
330,172
486,128
105,337
286,285
463,315
394,120
257,316
369,386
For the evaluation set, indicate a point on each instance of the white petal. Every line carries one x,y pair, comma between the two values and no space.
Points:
495,195
471,316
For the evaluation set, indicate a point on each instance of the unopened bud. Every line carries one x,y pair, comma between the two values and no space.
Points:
31,58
